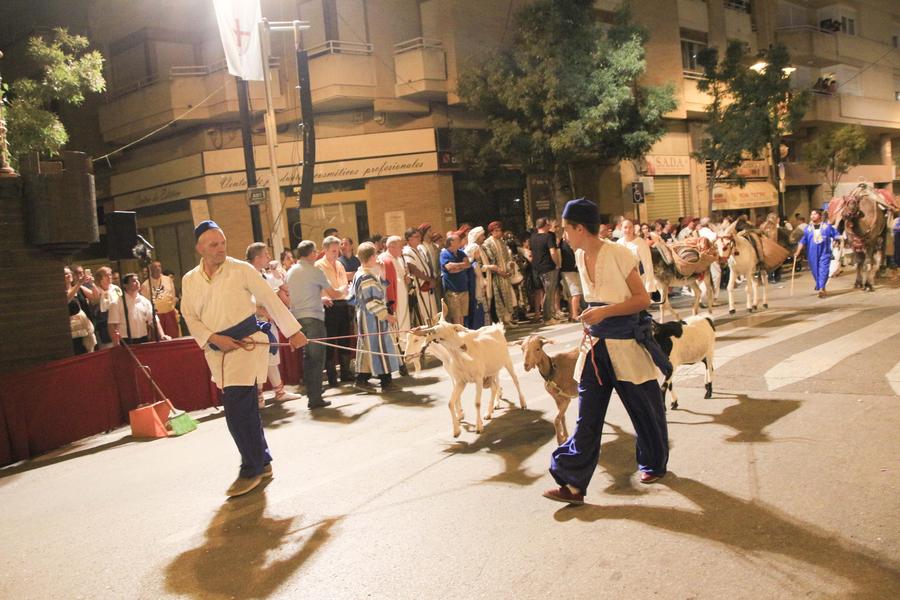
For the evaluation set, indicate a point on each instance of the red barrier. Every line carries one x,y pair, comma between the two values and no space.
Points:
67,400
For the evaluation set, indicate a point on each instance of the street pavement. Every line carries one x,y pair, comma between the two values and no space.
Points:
783,485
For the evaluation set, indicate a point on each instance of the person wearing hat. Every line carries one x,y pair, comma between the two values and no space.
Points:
503,299
418,265
219,302
478,279
624,358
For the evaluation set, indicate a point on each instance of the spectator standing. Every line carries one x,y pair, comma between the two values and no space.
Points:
258,256
479,286
337,313
617,232
398,287
306,286
110,296
688,230
423,277
641,252
133,315
604,232
80,326
431,246
160,290
455,267
545,261
571,281
287,261
376,350
348,258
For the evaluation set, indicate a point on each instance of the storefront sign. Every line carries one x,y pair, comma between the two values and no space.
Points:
755,194
394,222
754,169
668,164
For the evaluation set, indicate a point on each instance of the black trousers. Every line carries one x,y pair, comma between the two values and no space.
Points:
339,322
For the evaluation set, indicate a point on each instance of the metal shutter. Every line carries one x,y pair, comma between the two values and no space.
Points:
668,198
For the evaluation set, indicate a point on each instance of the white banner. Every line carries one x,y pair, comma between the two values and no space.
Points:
238,27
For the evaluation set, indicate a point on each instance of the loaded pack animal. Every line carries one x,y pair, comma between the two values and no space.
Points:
670,271
686,343
470,356
862,215
558,373
748,253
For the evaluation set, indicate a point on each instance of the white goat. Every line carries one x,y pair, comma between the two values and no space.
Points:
744,259
471,357
687,342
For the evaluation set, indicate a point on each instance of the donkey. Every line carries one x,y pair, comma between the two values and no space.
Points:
667,276
743,254
862,215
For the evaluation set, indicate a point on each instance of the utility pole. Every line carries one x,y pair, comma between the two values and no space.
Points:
271,142
249,160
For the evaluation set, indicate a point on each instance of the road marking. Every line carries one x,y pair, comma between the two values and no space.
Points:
893,377
809,363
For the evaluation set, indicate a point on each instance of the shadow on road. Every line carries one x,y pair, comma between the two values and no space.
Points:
749,417
237,560
514,436
750,526
617,457
62,455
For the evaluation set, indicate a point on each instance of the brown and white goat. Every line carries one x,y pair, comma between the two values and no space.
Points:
471,356
687,342
558,373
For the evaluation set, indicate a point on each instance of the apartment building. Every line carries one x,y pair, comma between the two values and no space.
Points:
383,78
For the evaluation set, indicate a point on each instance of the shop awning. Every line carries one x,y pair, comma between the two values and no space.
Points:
755,194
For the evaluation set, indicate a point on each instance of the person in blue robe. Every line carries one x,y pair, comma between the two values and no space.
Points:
817,240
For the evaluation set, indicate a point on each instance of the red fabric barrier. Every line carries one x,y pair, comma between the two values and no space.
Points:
67,400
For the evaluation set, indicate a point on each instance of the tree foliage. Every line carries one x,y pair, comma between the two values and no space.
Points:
834,150
750,110
68,70
564,91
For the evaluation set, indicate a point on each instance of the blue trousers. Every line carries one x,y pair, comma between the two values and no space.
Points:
313,359
242,418
574,462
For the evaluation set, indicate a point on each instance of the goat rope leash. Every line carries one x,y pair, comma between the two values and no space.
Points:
586,337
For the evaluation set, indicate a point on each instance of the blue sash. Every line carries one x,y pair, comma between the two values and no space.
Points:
638,327
246,328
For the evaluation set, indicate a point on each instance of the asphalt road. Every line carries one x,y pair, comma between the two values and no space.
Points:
783,485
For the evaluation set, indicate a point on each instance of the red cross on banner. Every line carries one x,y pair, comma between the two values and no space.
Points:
238,29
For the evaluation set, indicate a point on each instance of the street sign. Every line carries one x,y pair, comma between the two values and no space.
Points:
257,196
637,192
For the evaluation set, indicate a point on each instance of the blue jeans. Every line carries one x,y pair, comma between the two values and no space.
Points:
550,282
313,359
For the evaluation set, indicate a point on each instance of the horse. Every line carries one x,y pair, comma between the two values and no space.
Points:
667,275
862,216
742,251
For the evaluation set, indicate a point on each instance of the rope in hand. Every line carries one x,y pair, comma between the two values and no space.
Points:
587,338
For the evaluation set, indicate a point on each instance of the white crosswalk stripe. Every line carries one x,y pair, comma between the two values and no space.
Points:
810,363
893,377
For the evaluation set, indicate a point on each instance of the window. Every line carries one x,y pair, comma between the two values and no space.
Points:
848,25
838,18
689,51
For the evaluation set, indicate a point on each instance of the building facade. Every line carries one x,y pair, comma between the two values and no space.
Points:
383,78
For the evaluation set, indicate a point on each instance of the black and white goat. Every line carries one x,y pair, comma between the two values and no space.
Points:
687,342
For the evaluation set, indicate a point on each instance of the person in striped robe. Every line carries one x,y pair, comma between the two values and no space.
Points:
376,354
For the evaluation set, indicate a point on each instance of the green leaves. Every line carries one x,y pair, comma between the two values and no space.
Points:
565,91
68,71
834,150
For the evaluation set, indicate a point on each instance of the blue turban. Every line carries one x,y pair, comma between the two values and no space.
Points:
581,210
204,227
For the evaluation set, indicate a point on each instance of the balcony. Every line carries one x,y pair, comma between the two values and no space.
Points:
846,108
153,102
421,68
818,47
342,75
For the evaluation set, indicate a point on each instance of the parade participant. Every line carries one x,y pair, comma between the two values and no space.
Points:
337,313
624,358
817,239
479,284
160,290
394,269
502,297
641,252
455,268
895,230
258,256
423,277
219,309
373,322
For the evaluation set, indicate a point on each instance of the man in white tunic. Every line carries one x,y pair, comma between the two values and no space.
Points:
423,276
641,251
219,308
624,358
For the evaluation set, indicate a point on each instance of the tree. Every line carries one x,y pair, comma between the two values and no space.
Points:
68,72
834,150
750,112
563,92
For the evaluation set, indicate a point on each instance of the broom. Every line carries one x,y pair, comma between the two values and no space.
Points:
179,422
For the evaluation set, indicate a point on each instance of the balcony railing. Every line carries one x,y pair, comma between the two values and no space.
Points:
419,43
741,5
339,47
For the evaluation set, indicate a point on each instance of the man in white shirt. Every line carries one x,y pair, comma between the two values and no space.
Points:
110,296
131,318
641,251
160,290
258,256
219,300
